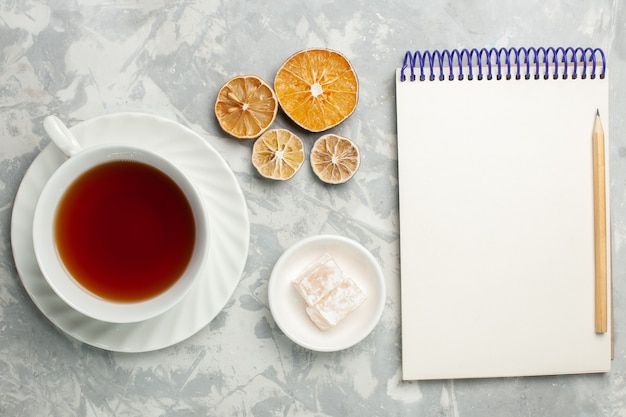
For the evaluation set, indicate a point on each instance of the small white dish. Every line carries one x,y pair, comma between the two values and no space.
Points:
288,307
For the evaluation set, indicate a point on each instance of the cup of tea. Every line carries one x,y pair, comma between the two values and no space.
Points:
120,233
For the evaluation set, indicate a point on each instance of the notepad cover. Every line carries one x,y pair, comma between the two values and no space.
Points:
496,227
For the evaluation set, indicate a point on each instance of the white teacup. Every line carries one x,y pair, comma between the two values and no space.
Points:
120,233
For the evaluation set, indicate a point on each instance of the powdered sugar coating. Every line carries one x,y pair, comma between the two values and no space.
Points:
321,276
336,305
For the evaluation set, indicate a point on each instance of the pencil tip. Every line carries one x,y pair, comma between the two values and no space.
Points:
598,112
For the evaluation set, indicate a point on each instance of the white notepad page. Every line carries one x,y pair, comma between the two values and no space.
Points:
496,227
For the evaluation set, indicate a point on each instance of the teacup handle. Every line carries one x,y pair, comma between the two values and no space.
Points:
61,136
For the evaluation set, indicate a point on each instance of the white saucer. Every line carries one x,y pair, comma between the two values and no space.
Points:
288,307
230,231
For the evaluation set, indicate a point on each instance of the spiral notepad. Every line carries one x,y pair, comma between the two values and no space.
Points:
497,211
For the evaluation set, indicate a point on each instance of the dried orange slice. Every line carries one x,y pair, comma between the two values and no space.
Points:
317,88
246,106
278,154
334,159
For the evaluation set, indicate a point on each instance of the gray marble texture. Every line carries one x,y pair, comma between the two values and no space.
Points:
81,59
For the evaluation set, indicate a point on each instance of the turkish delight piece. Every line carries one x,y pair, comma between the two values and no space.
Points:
337,304
319,278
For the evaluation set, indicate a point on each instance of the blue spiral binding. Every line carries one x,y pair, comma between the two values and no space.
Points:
506,63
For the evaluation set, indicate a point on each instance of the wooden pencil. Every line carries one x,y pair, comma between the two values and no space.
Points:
599,200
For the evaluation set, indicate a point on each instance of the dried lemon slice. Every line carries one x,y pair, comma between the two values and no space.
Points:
278,154
334,159
317,88
246,106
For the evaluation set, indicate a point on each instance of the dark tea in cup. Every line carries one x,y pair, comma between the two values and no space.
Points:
125,231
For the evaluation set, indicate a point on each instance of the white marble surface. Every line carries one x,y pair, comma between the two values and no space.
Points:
81,59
